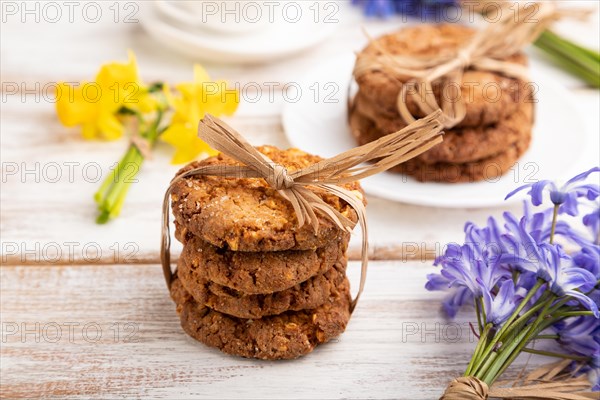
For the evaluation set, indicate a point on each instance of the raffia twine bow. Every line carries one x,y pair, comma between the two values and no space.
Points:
295,186
548,382
516,27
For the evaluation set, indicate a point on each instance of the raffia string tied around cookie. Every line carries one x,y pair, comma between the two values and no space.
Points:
548,382
515,28
296,186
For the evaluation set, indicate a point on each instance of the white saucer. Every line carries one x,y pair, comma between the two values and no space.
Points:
268,42
561,146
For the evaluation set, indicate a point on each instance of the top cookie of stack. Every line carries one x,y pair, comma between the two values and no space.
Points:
250,281
499,110
249,215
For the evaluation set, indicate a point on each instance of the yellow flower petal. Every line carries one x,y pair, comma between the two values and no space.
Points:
94,105
89,130
231,100
194,100
168,94
179,136
72,107
187,145
145,102
118,73
110,127
200,74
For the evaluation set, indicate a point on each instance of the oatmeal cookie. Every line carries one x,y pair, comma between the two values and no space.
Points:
303,296
489,97
246,214
460,145
284,336
489,168
257,272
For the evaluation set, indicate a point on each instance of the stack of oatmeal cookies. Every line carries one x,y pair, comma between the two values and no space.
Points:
497,127
249,281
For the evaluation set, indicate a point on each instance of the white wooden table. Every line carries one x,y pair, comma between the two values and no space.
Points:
84,309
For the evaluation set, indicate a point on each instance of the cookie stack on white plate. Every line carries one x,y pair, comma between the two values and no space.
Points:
497,127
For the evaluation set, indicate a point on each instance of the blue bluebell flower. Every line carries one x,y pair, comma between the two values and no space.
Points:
456,300
485,241
539,226
501,262
589,258
565,278
418,8
565,196
594,373
521,251
592,221
462,266
465,273
458,296
377,8
499,307
579,335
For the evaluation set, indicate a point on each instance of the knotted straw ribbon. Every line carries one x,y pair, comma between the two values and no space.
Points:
548,382
500,39
295,186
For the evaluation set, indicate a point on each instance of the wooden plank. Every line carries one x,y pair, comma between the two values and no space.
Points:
396,346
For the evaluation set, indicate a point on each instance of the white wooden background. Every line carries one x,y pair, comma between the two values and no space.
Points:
59,269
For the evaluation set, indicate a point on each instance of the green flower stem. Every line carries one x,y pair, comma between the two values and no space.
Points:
552,337
119,202
478,312
515,276
554,221
488,361
491,369
510,353
558,305
490,347
480,346
575,54
113,177
114,200
111,195
110,185
577,60
133,157
482,307
567,63
522,320
556,355
566,314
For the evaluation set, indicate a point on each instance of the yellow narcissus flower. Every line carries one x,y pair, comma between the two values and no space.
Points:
94,105
197,98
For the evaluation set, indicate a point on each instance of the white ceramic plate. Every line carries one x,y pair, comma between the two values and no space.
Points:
268,42
561,146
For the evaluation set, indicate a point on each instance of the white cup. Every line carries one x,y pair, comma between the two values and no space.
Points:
223,16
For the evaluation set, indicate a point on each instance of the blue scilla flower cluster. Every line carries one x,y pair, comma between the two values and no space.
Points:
518,269
417,8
